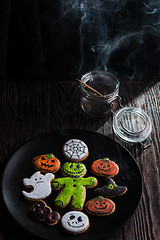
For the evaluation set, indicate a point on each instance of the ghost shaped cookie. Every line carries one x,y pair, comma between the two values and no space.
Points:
39,184
75,222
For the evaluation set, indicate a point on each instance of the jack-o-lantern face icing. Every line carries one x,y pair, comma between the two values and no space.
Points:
46,163
100,206
104,167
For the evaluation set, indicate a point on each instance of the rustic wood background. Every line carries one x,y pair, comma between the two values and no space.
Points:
30,108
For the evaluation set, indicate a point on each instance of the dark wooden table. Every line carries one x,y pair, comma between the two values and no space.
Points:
30,108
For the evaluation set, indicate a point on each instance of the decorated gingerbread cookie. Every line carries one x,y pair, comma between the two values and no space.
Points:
73,187
111,189
42,212
75,222
46,163
75,150
100,206
104,167
39,184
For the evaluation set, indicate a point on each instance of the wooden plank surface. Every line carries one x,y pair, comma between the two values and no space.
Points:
28,109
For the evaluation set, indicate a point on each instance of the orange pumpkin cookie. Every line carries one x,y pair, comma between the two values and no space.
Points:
100,206
46,163
104,167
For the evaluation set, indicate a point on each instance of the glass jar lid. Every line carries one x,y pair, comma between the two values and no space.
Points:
131,124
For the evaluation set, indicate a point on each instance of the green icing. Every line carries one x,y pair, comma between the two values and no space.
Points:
49,155
73,189
74,169
100,197
108,186
105,159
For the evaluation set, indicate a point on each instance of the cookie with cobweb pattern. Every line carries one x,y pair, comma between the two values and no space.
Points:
75,150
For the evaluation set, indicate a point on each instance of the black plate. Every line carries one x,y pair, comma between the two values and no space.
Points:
20,166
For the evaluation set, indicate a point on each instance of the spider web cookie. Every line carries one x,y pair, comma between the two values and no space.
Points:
75,150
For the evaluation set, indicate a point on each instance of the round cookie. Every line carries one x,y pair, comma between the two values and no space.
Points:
46,163
104,167
73,169
100,206
111,189
75,150
75,222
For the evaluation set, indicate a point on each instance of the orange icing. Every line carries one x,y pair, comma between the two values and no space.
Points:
46,162
100,205
104,167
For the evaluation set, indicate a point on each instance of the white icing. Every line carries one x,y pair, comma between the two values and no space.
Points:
75,149
75,222
41,185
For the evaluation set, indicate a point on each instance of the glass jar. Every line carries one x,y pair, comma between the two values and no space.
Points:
99,94
101,90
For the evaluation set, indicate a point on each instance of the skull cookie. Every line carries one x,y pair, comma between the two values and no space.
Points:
75,222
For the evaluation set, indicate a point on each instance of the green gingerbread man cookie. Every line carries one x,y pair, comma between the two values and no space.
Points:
73,186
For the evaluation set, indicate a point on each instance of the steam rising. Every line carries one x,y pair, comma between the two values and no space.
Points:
117,35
